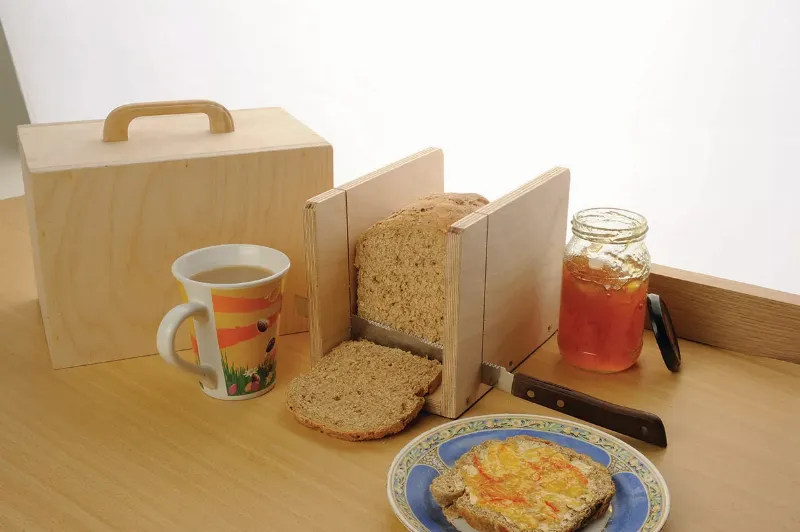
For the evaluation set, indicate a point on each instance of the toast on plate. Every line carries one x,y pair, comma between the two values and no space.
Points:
524,484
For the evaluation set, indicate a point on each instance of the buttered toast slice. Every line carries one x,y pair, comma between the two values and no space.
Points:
524,484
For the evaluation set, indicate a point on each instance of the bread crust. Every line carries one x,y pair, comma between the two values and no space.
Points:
439,211
363,391
449,491
328,430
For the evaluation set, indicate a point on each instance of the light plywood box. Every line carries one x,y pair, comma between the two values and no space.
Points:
502,269
113,203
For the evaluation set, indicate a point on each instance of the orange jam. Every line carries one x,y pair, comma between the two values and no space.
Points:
602,317
527,482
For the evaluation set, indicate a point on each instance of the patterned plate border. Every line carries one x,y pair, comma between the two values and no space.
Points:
409,456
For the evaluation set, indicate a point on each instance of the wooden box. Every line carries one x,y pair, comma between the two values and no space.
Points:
108,215
502,276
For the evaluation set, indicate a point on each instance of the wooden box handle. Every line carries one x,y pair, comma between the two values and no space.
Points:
117,122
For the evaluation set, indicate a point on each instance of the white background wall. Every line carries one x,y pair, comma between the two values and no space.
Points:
687,111
12,113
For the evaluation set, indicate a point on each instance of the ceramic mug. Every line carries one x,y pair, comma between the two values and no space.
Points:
233,326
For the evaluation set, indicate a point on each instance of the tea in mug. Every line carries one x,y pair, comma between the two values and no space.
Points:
232,275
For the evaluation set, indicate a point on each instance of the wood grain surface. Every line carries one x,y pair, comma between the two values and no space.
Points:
108,219
115,128
464,285
527,231
134,445
737,316
328,271
184,136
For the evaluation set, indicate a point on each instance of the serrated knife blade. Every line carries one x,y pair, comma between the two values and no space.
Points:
635,423
380,334
497,376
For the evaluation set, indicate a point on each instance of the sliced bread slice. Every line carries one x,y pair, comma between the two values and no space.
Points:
363,391
524,484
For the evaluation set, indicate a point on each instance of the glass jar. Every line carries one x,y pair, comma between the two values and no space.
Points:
603,290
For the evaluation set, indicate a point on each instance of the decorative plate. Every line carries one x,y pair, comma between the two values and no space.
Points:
640,504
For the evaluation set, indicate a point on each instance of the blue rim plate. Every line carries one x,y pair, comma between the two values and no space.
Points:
640,504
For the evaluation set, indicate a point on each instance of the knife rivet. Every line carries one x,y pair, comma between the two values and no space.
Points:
560,403
531,394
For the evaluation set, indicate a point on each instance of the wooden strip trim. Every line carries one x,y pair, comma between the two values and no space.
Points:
465,283
325,231
730,315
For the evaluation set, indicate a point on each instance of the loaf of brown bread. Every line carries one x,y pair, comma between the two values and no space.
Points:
363,391
401,265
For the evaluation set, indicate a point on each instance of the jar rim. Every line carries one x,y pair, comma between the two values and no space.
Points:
609,225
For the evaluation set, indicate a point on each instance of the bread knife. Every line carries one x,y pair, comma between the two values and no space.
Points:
637,424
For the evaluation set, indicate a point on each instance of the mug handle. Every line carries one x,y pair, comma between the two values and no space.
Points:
166,341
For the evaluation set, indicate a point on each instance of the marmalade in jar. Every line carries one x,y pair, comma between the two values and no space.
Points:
603,290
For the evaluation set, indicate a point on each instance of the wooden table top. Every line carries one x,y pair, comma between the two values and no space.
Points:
135,444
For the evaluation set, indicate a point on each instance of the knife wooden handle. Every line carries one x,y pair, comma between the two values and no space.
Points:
629,421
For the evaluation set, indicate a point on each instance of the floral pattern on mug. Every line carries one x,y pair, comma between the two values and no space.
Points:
247,327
